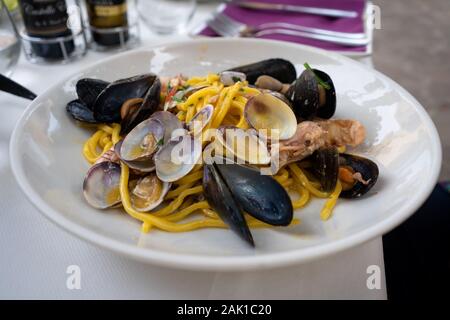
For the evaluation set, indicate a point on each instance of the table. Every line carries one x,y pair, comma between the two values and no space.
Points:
36,254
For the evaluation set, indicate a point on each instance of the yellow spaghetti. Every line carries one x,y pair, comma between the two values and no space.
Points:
181,210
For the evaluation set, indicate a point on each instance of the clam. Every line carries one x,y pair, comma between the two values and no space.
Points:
280,69
79,111
357,174
140,145
101,185
309,96
222,201
229,78
200,120
108,103
148,192
177,157
267,112
170,122
89,89
242,146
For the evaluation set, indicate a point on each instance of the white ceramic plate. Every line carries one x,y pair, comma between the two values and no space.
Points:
47,161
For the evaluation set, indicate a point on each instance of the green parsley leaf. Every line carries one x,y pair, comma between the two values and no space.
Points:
321,82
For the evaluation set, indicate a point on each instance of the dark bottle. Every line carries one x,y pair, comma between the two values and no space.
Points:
47,19
104,14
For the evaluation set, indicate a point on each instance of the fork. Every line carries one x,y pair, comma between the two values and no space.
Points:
228,27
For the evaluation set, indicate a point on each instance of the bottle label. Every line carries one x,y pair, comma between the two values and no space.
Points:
108,11
108,8
44,17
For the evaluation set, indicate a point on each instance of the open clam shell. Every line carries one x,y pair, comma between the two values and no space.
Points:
229,78
177,158
101,185
148,192
170,123
270,115
200,120
241,146
143,141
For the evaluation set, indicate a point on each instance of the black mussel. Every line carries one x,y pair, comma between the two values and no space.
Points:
280,69
79,111
222,201
325,166
310,98
259,195
145,110
89,89
357,175
108,103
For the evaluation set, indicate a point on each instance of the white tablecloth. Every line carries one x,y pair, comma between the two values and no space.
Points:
35,254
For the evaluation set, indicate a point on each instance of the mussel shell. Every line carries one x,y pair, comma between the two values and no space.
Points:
259,195
147,108
222,201
101,185
89,89
280,69
325,166
79,111
305,98
327,111
367,168
304,95
108,103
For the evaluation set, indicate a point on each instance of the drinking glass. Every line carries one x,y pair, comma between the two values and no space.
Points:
9,42
167,16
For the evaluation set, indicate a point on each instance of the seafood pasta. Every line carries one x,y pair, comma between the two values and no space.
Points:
238,149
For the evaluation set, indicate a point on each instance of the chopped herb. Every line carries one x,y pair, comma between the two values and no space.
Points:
321,82
242,90
236,79
160,142
176,99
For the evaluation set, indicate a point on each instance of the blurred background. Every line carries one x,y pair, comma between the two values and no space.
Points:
413,48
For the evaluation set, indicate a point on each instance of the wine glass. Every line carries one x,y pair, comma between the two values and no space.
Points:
167,16
9,41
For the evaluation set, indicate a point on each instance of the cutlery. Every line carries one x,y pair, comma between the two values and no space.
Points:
228,27
336,13
12,87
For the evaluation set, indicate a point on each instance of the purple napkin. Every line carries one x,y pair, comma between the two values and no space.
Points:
257,17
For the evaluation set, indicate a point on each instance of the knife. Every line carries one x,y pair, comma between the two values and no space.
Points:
336,13
14,88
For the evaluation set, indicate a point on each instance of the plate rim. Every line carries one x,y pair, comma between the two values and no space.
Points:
226,263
